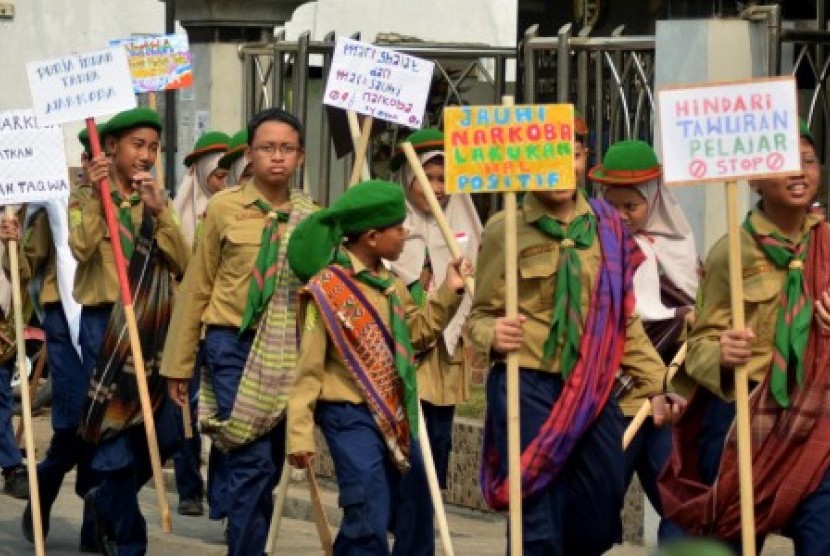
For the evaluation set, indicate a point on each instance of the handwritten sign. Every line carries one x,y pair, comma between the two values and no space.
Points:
32,161
491,149
81,86
378,82
729,131
158,63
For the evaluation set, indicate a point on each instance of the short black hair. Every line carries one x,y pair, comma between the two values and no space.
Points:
354,237
274,115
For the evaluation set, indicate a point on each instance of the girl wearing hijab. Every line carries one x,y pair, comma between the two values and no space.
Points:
444,371
202,180
665,283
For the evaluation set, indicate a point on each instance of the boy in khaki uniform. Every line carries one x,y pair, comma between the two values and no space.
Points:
356,371
154,248
240,290
38,260
571,344
785,350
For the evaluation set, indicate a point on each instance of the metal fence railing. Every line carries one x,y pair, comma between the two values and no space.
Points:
292,74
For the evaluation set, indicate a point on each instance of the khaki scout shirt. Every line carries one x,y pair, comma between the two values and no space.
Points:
37,251
538,261
215,287
96,281
444,379
321,372
763,284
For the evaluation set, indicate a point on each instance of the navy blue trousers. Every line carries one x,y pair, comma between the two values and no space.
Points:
376,498
122,463
647,455
10,455
438,420
69,389
809,526
188,460
251,471
579,513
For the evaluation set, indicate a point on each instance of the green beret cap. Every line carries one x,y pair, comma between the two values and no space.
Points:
236,148
209,142
804,131
423,140
627,163
368,205
83,136
131,119
694,547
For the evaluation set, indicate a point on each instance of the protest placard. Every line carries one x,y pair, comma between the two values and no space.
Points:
378,82
491,149
722,131
158,62
80,86
32,160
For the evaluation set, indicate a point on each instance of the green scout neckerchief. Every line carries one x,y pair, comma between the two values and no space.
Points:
567,315
126,228
403,351
264,275
792,327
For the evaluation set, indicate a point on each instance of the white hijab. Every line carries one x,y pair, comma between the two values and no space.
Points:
236,170
425,235
667,241
193,194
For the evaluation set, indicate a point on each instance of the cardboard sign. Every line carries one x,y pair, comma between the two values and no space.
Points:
378,82
159,62
491,149
81,86
729,130
32,161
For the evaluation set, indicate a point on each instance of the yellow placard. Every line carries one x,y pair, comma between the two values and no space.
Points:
491,149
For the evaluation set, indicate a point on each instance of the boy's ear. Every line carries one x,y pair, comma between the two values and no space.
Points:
371,237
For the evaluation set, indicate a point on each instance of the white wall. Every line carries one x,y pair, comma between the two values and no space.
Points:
490,22
43,29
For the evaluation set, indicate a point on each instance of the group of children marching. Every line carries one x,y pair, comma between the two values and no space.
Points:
265,315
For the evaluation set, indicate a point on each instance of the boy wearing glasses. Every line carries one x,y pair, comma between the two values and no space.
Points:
240,289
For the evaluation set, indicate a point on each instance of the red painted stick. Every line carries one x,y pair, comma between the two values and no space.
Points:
135,341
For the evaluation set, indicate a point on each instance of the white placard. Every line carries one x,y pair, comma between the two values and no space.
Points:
32,160
378,82
81,86
729,130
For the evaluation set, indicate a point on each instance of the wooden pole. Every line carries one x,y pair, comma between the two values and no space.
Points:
354,129
319,513
645,409
280,494
432,481
435,207
736,292
25,398
41,361
511,307
135,342
360,169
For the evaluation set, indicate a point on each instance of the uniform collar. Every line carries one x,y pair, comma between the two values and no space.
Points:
358,266
250,194
765,227
534,209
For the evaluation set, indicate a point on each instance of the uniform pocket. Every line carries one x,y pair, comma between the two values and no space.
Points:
537,280
240,247
356,523
761,302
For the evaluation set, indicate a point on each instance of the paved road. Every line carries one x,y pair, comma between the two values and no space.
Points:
472,533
